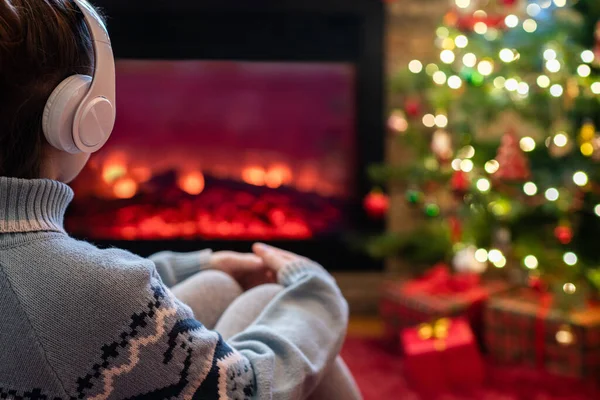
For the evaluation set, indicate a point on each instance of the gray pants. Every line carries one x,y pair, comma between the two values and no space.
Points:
220,304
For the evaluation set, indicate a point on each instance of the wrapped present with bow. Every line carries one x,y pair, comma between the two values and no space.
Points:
528,327
442,356
436,294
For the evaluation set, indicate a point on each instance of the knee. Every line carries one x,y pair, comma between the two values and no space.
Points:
267,290
208,281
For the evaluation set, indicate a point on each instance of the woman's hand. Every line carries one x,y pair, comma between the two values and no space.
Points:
275,258
249,270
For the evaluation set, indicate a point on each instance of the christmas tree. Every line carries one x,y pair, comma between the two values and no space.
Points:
505,157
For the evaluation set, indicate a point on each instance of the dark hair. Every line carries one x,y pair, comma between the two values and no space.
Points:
42,42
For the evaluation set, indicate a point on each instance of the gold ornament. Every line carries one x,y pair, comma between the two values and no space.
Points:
565,335
587,132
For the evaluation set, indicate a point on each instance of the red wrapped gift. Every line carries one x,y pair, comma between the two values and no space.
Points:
526,327
437,294
442,356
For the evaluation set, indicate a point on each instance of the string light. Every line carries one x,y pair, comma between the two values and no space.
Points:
448,44
468,151
491,34
587,149
549,54
553,65
527,144
501,263
556,90
481,255
466,165
530,189
511,85
584,70
595,87
523,88
545,3
470,60
442,32
454,82
497,258
507,55
560,139
492,166
430,69
529,25
463,3
480,27
485,67
447,56
499,82
560,3
456,164
543,81
511,20
580,178
551,194
439,77
441,120
461,41
587,56
415,66
570,258
531,262
597,210
569,288
429,120
533,9
483,185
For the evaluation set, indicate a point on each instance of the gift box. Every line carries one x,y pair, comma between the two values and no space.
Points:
442,356
525,327
437,294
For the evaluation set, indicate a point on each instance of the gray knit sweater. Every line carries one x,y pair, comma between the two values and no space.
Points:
79,322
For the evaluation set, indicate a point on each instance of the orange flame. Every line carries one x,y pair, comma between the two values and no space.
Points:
125,188
192,183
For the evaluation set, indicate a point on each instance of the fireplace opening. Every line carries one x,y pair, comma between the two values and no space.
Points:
239,122
223,149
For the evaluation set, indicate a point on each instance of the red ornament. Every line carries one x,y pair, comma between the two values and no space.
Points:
412,107
513,164
460,182
455,229
509,2
564,234
467,22
376,204
536,283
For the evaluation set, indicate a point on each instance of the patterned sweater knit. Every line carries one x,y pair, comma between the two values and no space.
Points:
78,322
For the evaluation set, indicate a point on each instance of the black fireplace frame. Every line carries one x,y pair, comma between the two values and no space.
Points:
269,30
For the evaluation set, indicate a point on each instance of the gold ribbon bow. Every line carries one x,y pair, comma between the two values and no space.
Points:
437,331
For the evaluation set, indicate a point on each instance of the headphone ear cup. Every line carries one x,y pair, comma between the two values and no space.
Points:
59,113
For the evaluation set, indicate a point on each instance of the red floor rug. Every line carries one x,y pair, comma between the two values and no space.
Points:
379,374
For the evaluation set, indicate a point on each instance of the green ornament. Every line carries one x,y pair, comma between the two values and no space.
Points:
476,79
413,196
432,210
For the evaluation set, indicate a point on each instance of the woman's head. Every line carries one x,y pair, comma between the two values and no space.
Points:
42,42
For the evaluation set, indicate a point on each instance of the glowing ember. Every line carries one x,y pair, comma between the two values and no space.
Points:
254,176
125,188
192,183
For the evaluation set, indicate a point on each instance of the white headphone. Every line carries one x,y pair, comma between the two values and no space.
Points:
80,113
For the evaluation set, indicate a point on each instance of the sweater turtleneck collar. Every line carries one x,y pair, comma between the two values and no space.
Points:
33,205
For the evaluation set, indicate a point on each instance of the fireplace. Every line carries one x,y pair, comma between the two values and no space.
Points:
238,124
